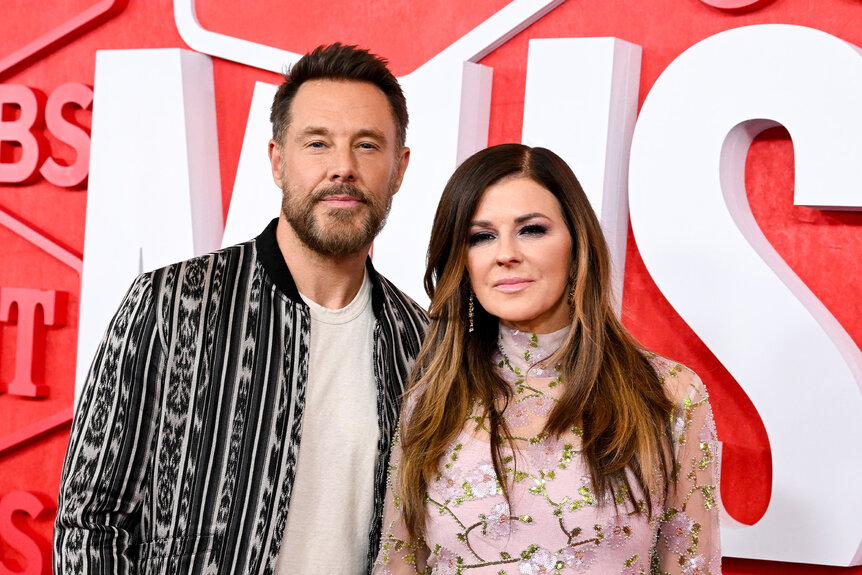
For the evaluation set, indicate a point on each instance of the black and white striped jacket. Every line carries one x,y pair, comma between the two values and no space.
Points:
183,448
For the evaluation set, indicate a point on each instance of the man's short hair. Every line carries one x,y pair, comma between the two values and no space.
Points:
337,62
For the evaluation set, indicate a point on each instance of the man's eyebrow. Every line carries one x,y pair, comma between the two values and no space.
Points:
313,131
370,133
323,131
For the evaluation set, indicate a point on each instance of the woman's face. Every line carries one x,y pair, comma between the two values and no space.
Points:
519,254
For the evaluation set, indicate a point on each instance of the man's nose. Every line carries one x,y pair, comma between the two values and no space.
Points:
343,168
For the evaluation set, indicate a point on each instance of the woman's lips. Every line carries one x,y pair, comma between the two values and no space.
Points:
512,285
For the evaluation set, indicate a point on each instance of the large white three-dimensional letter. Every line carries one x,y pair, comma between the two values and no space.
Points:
154,195
700,243
581,102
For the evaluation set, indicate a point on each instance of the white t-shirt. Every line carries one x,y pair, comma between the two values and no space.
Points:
333,492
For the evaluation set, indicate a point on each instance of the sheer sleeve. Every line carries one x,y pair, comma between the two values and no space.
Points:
689,533
398,554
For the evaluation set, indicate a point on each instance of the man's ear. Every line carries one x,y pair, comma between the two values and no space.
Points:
403,160
275,160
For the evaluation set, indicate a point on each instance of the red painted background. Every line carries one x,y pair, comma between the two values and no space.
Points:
822,247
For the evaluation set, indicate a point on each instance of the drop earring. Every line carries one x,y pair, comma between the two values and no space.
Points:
470,313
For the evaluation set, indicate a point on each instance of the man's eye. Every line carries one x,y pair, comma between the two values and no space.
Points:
534,230
315,145
368,146
480,237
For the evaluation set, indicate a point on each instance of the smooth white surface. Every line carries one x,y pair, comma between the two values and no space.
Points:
228,47
154,195
255,199
701,245
581,102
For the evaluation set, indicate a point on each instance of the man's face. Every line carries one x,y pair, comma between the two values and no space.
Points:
339,165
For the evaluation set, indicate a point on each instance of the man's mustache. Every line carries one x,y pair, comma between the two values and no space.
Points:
349,190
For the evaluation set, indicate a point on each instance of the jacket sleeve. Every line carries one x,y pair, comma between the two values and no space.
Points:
108,457
689,531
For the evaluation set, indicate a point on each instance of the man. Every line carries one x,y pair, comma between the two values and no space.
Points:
238,414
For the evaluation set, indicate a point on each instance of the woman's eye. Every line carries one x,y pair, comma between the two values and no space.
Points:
480,237
534,230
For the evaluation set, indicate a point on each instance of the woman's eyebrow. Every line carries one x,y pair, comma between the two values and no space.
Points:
518,220
530,216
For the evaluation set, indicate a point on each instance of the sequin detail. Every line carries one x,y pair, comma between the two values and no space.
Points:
556,524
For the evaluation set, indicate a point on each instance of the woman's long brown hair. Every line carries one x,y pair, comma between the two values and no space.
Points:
611,392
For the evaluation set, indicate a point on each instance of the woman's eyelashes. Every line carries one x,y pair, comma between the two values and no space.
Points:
531,230
480,237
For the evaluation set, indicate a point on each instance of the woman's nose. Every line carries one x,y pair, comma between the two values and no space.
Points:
507,252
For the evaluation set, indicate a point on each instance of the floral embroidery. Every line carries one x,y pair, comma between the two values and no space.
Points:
481,482
498,524
541,562
693,565
547,453
678,532
579,558
556,524
617,531
517,414
635,566
448,487
447,562
538,405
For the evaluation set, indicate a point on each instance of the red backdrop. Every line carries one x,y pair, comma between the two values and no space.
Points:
822,247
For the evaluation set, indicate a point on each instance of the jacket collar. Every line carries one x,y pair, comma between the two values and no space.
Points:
276,268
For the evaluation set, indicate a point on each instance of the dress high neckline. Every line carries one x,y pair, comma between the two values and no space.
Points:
526,352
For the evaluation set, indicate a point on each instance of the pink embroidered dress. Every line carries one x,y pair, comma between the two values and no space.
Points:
556,525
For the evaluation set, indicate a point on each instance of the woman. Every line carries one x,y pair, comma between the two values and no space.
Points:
537,436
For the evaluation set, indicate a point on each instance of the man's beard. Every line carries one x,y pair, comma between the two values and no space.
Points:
345,230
